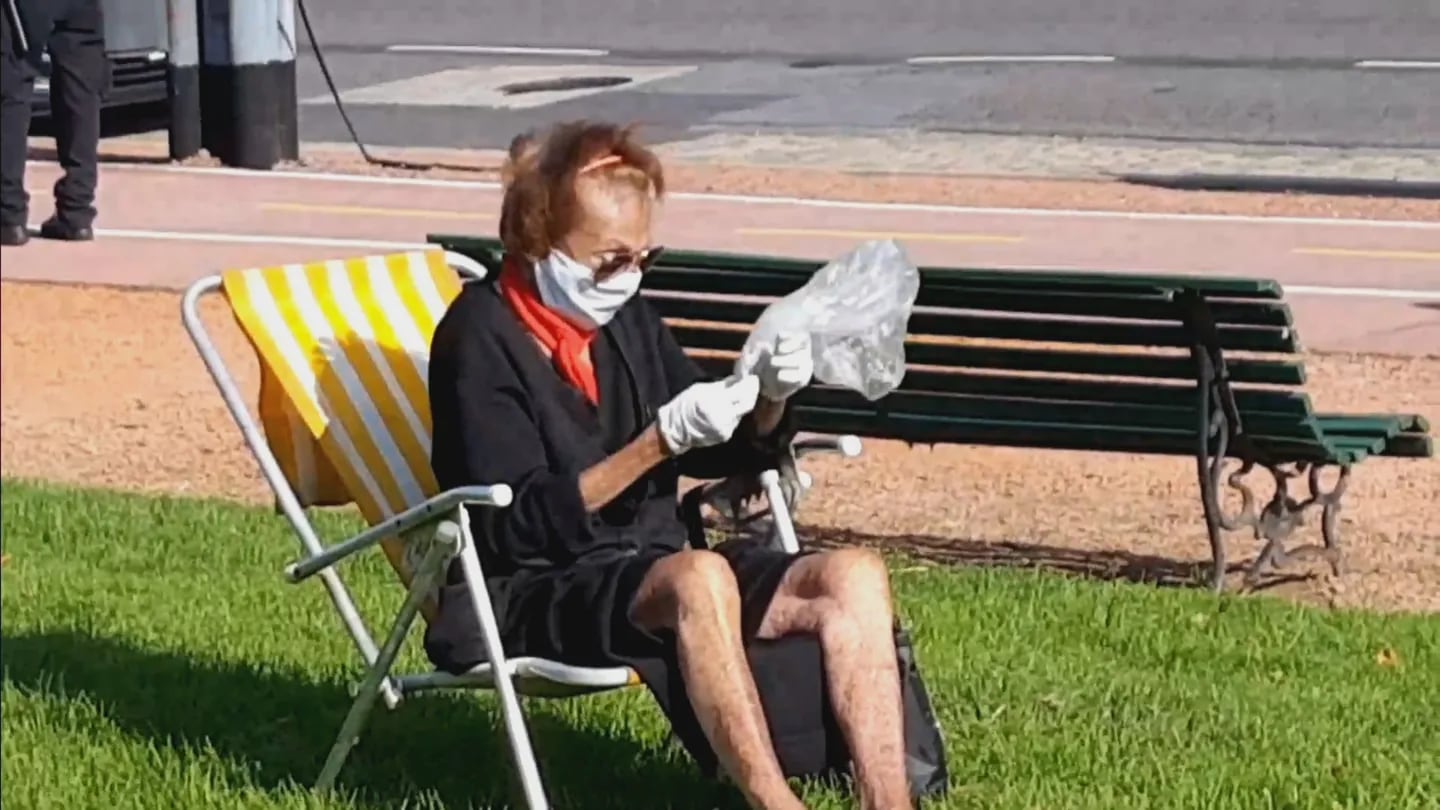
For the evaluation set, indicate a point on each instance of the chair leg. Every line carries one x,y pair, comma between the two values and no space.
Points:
377,676
510,711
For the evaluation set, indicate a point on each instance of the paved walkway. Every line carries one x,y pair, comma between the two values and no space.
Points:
1355,285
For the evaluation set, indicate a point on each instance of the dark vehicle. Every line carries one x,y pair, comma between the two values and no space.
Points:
136,40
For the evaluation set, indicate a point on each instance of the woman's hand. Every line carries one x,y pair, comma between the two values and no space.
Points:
707,413
702,415
787,367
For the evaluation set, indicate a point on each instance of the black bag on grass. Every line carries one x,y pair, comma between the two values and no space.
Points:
790,677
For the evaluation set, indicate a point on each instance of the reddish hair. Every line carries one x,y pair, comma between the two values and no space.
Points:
541,204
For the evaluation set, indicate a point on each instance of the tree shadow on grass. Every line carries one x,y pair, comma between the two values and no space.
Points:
279,726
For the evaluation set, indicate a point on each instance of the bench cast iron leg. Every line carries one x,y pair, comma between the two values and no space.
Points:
1276,523
1219,435
1214,431
1210,468
1330,514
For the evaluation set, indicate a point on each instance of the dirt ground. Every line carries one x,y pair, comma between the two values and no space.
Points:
102,387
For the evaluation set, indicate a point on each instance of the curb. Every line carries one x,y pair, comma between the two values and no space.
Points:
1288,184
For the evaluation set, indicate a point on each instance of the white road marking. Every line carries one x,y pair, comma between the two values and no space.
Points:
799,202
1056,58
365,244
499,50
1398,64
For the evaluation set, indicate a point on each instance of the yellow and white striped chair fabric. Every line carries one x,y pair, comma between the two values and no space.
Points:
344,350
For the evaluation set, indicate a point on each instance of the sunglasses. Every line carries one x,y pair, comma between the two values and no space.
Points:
621,261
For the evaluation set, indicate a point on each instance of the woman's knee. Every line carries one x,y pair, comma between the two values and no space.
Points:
690,579
702,574
855,574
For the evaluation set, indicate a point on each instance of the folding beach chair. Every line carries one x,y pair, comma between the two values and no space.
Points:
344,353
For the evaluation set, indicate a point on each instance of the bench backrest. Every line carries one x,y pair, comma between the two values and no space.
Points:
984,319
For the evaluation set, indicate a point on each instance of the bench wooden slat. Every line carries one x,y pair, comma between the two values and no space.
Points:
1409,445
961,324
1407,422
1262,372
1119,307
1339,424
927,430
1087,282
1082,415
1403,434
1166,394
1014,280
1147,305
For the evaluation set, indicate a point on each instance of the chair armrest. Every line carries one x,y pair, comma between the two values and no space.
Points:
435,508
746,485
848,446
737,489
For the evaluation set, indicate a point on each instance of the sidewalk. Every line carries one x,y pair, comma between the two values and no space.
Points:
1355,284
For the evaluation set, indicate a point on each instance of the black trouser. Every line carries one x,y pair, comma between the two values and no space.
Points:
79,72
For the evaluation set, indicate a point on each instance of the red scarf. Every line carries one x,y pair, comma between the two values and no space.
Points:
568,345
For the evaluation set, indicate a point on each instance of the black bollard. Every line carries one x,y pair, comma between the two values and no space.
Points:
249,109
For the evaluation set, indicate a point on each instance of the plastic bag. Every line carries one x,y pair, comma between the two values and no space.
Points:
856,310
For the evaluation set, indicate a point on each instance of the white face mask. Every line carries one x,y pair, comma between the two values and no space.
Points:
570,288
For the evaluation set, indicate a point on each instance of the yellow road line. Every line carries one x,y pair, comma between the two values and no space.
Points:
363,211
909,237
1399,255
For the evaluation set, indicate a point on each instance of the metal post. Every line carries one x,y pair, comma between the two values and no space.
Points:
183,74
250,110
287,92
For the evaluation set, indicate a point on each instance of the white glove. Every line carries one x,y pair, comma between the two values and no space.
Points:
706,413
786,366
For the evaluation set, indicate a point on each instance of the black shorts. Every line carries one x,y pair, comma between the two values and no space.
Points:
580,615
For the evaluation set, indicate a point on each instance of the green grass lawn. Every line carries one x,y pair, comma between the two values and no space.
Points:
154,658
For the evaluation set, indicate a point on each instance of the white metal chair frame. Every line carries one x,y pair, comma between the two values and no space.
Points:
442,527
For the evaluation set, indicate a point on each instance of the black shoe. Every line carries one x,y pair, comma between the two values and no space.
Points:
55,229
14,235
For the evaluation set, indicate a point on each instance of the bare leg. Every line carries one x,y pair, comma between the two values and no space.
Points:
844,598
694,594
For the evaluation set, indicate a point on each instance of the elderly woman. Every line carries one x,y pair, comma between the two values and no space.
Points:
561,382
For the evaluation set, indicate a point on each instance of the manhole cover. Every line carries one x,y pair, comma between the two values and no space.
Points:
563,84
811,64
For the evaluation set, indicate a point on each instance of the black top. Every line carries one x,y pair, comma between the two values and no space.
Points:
502,414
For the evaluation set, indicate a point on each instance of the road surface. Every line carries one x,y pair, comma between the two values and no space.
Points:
1268,71
1354,285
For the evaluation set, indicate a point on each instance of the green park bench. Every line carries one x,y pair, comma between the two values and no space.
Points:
1206,367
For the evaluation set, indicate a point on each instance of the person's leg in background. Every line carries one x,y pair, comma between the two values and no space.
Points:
17,84
79,72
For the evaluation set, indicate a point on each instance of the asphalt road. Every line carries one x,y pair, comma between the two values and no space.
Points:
1261,30
1264,71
